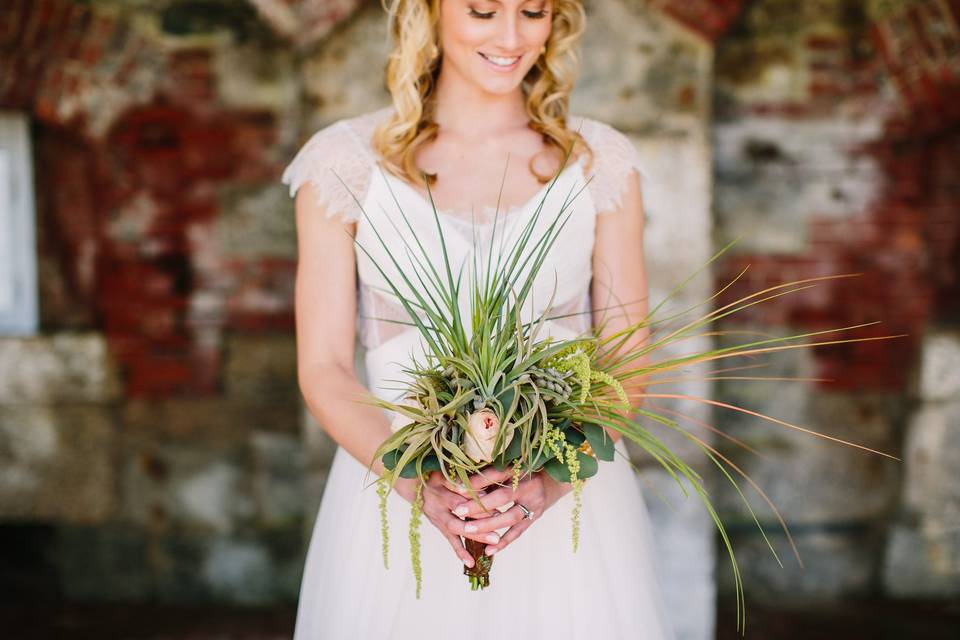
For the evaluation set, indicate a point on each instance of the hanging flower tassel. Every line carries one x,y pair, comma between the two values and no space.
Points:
517,466
573,466
415,512
384,524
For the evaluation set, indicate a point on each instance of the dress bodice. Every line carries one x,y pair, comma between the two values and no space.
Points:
393,218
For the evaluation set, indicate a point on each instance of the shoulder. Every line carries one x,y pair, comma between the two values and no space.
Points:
350,135
338,161
615,157
611,147
599,133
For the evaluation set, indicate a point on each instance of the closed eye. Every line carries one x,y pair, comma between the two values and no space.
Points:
536,15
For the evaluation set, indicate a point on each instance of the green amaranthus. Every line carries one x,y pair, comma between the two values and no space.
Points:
556,401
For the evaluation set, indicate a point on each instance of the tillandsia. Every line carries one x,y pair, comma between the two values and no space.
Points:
490,392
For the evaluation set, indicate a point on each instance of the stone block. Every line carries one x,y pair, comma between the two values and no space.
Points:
339,78
923,561
939,376
104,563
238,571
809,478
931,482
206,420
278,477
64,367
56,463
261,369
772,174
186,487
249,227
641,70
837,563
677,231
251,77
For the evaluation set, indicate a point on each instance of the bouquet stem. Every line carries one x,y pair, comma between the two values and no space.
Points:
479,573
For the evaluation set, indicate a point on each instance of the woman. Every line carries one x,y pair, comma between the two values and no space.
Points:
475,83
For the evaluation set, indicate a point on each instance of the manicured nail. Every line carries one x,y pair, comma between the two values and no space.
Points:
468,561
461,510
494,538
492,550
470,528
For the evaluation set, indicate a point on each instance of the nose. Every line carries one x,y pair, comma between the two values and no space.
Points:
510,38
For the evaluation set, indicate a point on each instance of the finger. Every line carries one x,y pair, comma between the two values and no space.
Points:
490,476
456,526
462,491
458,547
480,526
480,480
487,504
508,536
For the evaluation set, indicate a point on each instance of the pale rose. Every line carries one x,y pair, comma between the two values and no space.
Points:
400,420
482,428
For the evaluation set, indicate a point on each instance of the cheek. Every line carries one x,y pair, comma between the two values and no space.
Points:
540,32
461,31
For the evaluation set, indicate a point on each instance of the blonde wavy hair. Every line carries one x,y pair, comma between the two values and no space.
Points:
414,66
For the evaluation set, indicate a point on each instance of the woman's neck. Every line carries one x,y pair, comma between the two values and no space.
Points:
473,115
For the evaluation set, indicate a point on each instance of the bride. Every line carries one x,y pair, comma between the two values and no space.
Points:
475,86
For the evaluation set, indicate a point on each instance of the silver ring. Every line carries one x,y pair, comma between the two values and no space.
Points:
527,514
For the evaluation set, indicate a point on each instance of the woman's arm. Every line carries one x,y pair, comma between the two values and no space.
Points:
620,277
325,299
326,328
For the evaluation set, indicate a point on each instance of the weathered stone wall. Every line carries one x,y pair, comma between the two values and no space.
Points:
150,439
153,444
835,151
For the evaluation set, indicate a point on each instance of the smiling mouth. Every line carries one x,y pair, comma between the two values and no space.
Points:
499,61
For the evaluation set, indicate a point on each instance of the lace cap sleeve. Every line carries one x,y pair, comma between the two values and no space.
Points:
614,157
336,150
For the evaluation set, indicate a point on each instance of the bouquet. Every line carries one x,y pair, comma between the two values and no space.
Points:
491,392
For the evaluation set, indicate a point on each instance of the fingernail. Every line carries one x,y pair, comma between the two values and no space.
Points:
468,562
470,528
492,550
494,538
461,510
481,493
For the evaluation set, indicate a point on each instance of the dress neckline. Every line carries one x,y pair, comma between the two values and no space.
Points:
462,215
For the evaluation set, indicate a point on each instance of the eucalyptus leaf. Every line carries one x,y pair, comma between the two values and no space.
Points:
588,465
430,463
600,441
574,436
557,470
390,458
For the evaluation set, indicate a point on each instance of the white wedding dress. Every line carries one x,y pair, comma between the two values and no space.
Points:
539,587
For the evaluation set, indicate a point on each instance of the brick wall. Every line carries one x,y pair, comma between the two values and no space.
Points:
151,431
836,153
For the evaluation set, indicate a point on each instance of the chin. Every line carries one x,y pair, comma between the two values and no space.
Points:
501,85
498,88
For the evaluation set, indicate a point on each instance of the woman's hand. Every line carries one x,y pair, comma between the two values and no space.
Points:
438,504
537,492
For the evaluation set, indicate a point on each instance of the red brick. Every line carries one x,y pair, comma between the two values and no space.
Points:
710,18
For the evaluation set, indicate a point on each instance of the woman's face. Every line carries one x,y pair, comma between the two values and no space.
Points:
474,30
